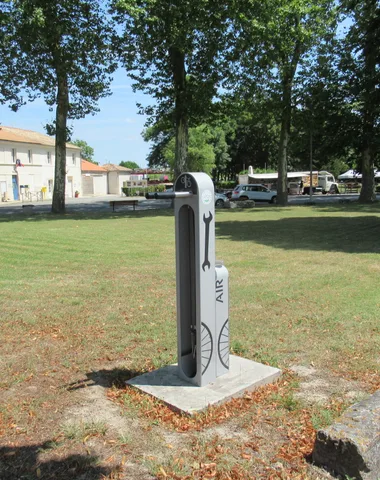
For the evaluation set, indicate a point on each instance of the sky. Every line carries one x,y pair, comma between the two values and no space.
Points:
114,133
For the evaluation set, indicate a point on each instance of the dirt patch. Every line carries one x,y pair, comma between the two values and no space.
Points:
319,387
92,405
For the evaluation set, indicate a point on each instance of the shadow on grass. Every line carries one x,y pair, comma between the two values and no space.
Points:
89,215
23,463
106,378
349,207
341,234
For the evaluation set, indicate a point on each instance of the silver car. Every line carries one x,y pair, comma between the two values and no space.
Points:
254,191
220,199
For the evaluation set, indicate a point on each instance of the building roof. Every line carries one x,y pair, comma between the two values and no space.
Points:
110,167
91,167
11,134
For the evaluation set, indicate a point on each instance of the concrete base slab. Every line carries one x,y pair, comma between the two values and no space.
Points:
166,385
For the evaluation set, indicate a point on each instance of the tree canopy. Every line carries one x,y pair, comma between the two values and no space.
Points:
171,50
60,51
270,84
86,151
129,164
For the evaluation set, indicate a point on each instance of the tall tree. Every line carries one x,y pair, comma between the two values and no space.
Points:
61,50
274,37
361,66
172,49
86,151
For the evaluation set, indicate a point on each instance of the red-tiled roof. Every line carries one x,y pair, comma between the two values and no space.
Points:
91,167
111,167
11,134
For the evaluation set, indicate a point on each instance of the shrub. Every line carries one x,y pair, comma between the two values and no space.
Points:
226,184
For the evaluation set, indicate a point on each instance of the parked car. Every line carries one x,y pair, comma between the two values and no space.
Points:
220,199
256,192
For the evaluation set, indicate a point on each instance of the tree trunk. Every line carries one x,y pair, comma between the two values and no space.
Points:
181,112
289,67
58,204
282,182
367,193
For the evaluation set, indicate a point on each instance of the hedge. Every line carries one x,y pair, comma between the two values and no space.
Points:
141,191
227,185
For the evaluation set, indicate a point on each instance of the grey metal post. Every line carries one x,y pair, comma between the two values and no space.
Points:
195,255
202,286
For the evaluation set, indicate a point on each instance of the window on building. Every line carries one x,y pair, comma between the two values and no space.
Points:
30,156
14,155
74,159
48,154
50,185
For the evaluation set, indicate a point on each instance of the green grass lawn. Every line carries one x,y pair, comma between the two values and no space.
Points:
79,292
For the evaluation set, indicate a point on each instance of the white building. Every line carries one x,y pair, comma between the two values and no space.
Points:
27,161
119,177
94,179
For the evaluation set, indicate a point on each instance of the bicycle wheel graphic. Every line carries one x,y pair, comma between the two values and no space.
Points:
224,345
206,347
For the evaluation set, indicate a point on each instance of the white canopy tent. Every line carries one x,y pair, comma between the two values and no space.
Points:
350,175
354,175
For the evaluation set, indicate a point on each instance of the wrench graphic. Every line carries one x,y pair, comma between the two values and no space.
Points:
207,221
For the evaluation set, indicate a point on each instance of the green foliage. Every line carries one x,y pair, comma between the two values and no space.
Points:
322,418
219,134
336,166
201,155
287,401
159,134
131,165
203,144
68,38
86,151
225,184
251,133
194,28
238,348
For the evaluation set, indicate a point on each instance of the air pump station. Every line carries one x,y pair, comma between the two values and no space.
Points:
202,283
